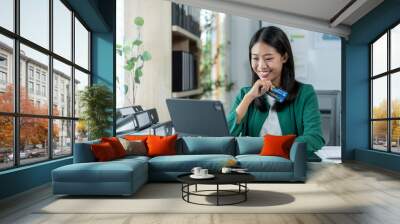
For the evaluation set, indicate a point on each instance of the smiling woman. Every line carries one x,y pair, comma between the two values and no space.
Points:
255,114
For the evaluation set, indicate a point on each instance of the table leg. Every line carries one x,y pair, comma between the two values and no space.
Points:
245,193
217,194
196,188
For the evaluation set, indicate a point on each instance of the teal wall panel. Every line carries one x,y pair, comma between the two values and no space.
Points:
355,78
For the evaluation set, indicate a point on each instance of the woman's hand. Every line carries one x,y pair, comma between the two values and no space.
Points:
259,88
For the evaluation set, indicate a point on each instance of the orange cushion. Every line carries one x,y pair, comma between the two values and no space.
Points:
116,145
136,137
103,152
277,145
161,145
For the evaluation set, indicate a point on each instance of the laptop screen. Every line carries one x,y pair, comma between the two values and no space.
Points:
198,117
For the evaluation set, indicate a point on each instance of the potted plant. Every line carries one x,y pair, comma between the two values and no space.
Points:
96,102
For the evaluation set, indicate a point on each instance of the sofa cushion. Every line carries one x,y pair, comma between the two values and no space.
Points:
135,147
208,145
116,145
103,151
161,145
277,145
112,171
249,145
185,163
257,163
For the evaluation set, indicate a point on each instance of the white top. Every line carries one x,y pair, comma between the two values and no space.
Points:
271,124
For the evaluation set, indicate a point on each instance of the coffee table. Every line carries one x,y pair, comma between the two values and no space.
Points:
238,179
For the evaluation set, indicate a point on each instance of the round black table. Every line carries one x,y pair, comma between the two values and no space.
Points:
238,179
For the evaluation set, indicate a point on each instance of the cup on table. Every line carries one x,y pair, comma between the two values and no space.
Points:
203,172
226,170
196,171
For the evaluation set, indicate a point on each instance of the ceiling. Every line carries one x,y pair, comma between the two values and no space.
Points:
327,16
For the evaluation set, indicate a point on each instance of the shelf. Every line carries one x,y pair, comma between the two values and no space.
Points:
187,93
179,31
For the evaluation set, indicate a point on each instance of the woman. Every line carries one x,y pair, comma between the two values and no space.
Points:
255,113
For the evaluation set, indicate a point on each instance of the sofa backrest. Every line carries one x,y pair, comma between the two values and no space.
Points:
83,153
206,145
249,145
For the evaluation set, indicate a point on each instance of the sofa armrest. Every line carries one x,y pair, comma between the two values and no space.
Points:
298,155
83,153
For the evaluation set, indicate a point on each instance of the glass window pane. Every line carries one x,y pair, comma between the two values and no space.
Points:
7,14
81,81
6,74
81,45
81,131
379,97
395,136
379,135
33,139
395,94
35,21
62,89
395,47
379,55
62,29
34,97
6,142
62,138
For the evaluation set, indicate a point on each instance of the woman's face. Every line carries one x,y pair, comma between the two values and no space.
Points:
267,63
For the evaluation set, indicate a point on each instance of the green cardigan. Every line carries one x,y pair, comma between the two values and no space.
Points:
301,117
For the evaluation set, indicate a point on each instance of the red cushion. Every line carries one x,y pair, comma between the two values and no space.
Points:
277,145
116,145
161,145
103,151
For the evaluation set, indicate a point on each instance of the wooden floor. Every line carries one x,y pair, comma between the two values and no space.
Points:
377,188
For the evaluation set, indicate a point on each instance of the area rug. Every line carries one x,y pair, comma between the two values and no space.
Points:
167,198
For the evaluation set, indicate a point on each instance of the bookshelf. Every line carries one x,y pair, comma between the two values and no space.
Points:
186,47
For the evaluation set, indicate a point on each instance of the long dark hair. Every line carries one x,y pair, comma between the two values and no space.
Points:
276,38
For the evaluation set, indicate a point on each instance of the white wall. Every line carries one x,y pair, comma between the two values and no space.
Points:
240,31
317,57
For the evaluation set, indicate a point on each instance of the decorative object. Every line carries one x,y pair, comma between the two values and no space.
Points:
135,57
96,102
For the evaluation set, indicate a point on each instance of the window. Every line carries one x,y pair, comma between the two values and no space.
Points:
44,91
7,14
35,22
3,61
6,74
37,89
81,45
3,78
30,87
30,72
45,131
385,96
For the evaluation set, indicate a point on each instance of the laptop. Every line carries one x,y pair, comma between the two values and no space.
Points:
198,117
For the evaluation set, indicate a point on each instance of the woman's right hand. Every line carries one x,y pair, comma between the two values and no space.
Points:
259,88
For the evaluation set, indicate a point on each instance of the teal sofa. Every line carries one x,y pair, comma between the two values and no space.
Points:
125,176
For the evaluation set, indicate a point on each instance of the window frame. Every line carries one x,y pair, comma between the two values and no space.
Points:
16,114
388,74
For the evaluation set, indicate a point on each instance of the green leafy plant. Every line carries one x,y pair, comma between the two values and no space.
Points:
96,102
135,57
